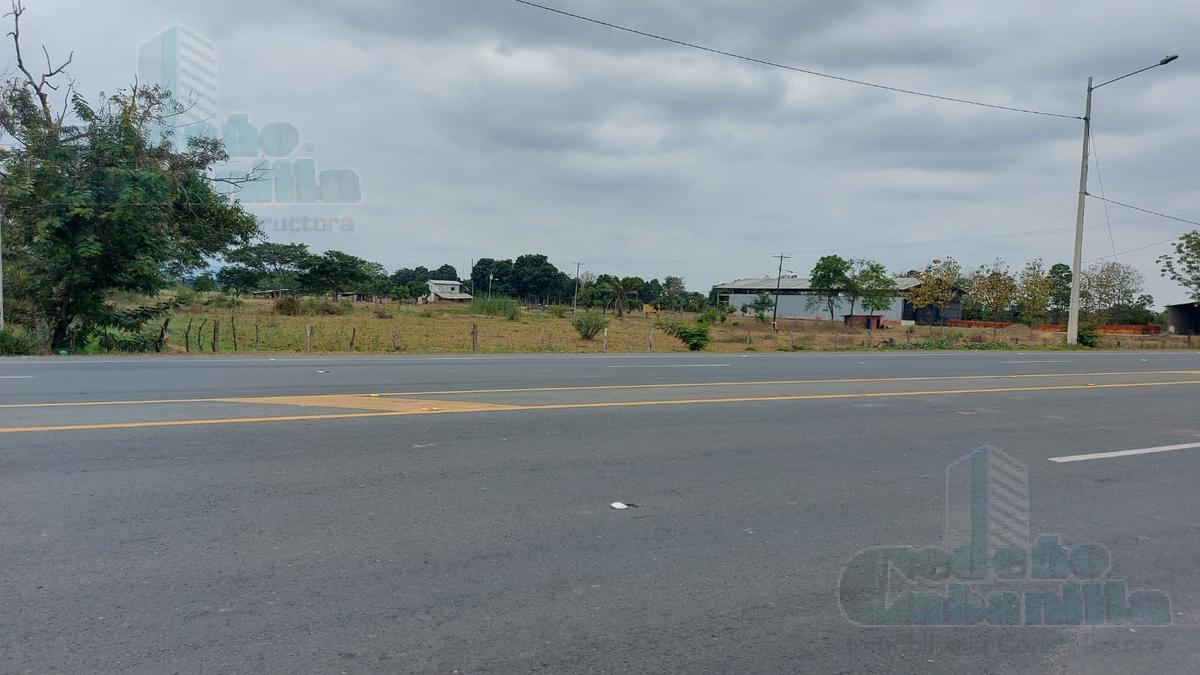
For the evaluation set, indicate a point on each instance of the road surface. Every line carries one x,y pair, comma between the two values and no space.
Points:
453,514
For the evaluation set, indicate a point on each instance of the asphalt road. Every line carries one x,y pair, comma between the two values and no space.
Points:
452,514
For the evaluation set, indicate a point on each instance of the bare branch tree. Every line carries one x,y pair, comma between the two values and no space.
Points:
42,86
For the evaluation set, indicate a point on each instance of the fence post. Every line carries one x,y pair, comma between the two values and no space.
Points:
256,340
353,336
216,336
308,338
233,329
650,340
474,337
187,335
200,336
791,340
604,347
396,337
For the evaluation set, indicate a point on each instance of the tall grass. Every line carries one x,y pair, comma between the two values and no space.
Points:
506,307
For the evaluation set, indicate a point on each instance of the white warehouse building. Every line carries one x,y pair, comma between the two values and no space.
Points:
796,300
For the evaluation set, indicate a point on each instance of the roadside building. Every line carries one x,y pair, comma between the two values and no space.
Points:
797,301
1184,318
444,291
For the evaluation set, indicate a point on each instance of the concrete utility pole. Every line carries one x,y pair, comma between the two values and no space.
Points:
575,298
1,265
778,284
1077,259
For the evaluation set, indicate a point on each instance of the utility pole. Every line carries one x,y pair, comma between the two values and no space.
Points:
778,283
490,274
575,298
1077,260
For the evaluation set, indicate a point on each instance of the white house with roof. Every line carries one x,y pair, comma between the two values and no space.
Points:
444,291
796,300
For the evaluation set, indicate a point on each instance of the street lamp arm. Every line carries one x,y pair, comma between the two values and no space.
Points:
1163,62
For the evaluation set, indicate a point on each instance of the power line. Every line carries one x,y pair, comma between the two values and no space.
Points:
1100,179
806,71
1138,208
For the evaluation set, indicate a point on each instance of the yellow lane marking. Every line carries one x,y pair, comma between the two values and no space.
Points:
409,405
571,406
602,387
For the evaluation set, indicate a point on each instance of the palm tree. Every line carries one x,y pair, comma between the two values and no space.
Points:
619,290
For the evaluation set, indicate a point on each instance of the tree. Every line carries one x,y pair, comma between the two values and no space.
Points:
618,292
534,277
761,305
1060,291
938,286
993,289
94,206
278,263
876,290
445,272
334,271
1183,266
205,283
828,281
1106,285
238,278
1035,290
377,284
673,295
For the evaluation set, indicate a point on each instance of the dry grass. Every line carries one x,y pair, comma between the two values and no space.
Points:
391,328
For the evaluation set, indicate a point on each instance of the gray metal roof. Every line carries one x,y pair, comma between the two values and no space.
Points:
758,284
439,281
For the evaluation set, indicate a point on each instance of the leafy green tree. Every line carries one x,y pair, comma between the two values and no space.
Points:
761,305
277,263
1060,291
938,286
377,284
876,290
205,283
1183,266
827,282
1106,286
445,273
993,289
1035,290
238,279
94,205
335,272
618,292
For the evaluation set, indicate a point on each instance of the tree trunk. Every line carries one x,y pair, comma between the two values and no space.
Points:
61,326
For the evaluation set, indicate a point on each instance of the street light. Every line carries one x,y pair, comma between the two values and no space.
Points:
1077,262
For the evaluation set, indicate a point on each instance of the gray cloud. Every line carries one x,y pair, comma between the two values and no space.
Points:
486,128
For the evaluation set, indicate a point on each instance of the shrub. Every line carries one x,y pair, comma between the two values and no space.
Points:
382,312
557,311
123,341
1089,336
16,343
319,306
224,301
505,307
289,305
932,343
589,324
695,336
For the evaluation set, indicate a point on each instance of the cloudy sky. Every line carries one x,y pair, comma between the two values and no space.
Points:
485,128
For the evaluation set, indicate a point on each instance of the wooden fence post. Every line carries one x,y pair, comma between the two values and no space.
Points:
308,338
216,336
257,342
353,336
650,340
200,336
474,337
604,347
233,329
396,336
187,335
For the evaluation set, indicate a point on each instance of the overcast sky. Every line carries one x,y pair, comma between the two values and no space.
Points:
484,128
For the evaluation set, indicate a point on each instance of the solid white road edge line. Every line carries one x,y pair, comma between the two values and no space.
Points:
1124,453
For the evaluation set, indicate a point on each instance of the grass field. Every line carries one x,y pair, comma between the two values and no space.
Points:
392,328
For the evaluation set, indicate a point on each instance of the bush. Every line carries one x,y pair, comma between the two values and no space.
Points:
16,343
1089,336
319,306
382,312
557,311
695,336
932,343
505,307
589,325
289,305
123,341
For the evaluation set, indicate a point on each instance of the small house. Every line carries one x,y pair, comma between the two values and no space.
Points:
445,291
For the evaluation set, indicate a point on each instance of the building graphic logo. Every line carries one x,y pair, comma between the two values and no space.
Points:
184,63
989,570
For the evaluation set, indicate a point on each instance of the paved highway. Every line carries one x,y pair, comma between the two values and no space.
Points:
452,514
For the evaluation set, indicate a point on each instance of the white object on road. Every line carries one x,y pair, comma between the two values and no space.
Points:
619,506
